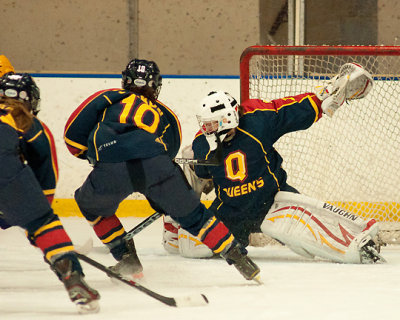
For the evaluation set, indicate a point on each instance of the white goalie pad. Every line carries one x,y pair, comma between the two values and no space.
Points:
191,247
177,240
170,235
259,239
315,228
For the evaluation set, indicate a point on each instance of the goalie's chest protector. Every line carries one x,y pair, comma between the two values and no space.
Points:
251,171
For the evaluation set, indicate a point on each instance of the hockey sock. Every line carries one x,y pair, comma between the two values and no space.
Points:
111,232
52,239
215,235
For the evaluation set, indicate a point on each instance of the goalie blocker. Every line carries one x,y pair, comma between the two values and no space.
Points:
314,228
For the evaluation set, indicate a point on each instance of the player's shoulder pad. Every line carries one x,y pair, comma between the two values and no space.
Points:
114,95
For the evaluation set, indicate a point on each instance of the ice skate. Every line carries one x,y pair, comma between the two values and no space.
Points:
129,266
247,268
369,252
84,297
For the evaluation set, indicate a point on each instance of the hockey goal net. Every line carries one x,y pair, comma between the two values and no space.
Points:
351,160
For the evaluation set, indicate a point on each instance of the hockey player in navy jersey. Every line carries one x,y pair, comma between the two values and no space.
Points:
29,175
5,67
131,139
251,189
37,144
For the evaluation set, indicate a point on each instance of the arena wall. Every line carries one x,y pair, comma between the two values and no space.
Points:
183,36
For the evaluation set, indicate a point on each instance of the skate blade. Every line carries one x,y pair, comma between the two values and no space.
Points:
90,307
258,280
136,277
380,259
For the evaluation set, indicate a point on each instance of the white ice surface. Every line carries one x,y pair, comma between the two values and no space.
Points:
294,288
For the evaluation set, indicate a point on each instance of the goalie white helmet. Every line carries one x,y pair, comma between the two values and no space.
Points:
218,113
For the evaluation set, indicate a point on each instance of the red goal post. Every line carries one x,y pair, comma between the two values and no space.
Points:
353,158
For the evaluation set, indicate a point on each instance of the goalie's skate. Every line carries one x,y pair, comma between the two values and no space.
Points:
247,268
129,267
84,297
363,248
369,252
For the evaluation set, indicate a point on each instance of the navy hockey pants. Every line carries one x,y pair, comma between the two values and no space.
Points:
157,178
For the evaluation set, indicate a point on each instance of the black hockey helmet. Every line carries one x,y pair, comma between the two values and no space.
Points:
141,73
21,86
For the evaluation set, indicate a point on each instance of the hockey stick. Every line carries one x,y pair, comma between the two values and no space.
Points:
197,162
187,301
146,222
214,161
88,245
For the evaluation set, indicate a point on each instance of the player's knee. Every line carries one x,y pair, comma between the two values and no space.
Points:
85,205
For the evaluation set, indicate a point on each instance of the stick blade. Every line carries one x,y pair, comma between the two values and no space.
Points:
191,301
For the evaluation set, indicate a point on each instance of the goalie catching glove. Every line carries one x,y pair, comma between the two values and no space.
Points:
352,82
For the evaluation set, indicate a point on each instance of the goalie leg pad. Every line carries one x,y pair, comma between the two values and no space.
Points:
170,235
315,228
191,246
178,241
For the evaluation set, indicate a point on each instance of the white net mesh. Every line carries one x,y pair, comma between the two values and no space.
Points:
352,159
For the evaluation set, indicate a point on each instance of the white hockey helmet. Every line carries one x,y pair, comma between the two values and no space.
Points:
218,113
